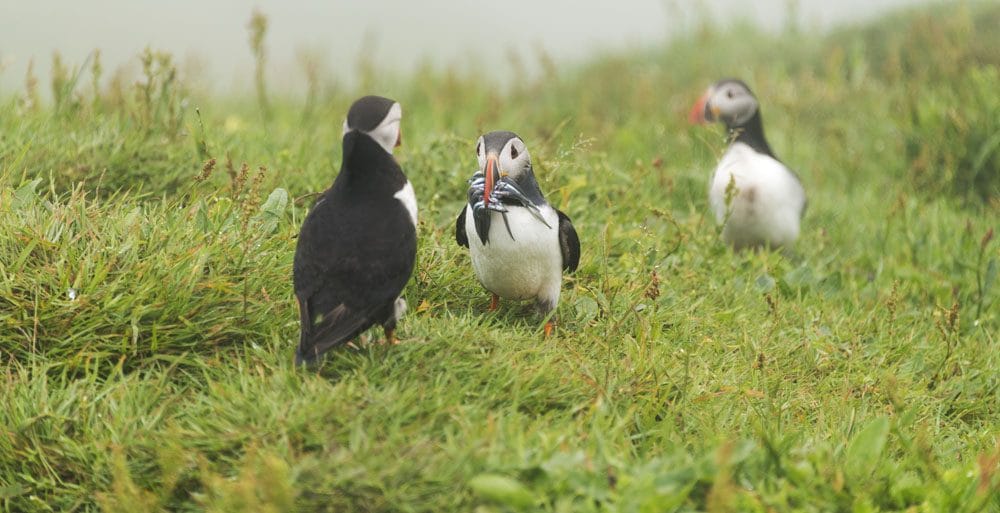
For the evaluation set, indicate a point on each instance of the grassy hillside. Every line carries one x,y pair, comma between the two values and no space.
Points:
147,322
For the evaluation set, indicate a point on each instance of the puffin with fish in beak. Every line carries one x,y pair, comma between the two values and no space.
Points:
519,244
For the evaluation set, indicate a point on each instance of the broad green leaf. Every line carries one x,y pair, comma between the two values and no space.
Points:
764,283
502,489
25,194
272,209
586,309
801,277
276,202
11,491
866,447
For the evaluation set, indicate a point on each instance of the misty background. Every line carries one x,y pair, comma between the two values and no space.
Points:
209,40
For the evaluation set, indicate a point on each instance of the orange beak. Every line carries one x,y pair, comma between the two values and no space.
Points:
697,114
491,164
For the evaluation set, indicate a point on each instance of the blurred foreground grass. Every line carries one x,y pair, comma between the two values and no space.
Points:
147,321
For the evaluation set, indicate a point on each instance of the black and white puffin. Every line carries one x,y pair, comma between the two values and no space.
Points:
519,244
765,205
358,244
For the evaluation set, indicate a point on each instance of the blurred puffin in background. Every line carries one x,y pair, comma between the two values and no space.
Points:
759,200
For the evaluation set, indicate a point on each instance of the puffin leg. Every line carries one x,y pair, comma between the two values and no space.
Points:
546,307
494,302
396,309
390,336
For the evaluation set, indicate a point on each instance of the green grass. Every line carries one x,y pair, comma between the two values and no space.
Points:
859,373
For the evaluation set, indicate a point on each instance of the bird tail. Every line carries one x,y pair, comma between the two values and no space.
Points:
337,327
302,356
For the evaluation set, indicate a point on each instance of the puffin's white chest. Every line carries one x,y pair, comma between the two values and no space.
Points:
406,196
767,201
529,265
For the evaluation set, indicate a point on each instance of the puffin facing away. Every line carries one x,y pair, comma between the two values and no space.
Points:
358,244
759,200
519,244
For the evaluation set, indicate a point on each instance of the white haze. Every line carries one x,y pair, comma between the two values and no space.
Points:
210,38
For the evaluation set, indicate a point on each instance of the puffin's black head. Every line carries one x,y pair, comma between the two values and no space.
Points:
378,118
729,101
501,154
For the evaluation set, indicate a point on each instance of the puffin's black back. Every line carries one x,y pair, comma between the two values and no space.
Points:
355,251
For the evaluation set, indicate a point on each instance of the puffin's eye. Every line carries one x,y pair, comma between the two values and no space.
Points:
729,93
479,148
513,152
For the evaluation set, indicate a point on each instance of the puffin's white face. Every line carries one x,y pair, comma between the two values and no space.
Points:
388,133
512,159
732,103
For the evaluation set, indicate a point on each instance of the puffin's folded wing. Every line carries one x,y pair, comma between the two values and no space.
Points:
461,237
569,243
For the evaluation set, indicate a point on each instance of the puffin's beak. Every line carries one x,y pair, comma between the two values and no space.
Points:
399,138
492,175
701,112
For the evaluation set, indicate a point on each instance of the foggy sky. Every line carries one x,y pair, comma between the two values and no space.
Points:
211,36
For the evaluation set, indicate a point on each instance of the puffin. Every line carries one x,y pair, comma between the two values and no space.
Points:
757,198
518,243
358,244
